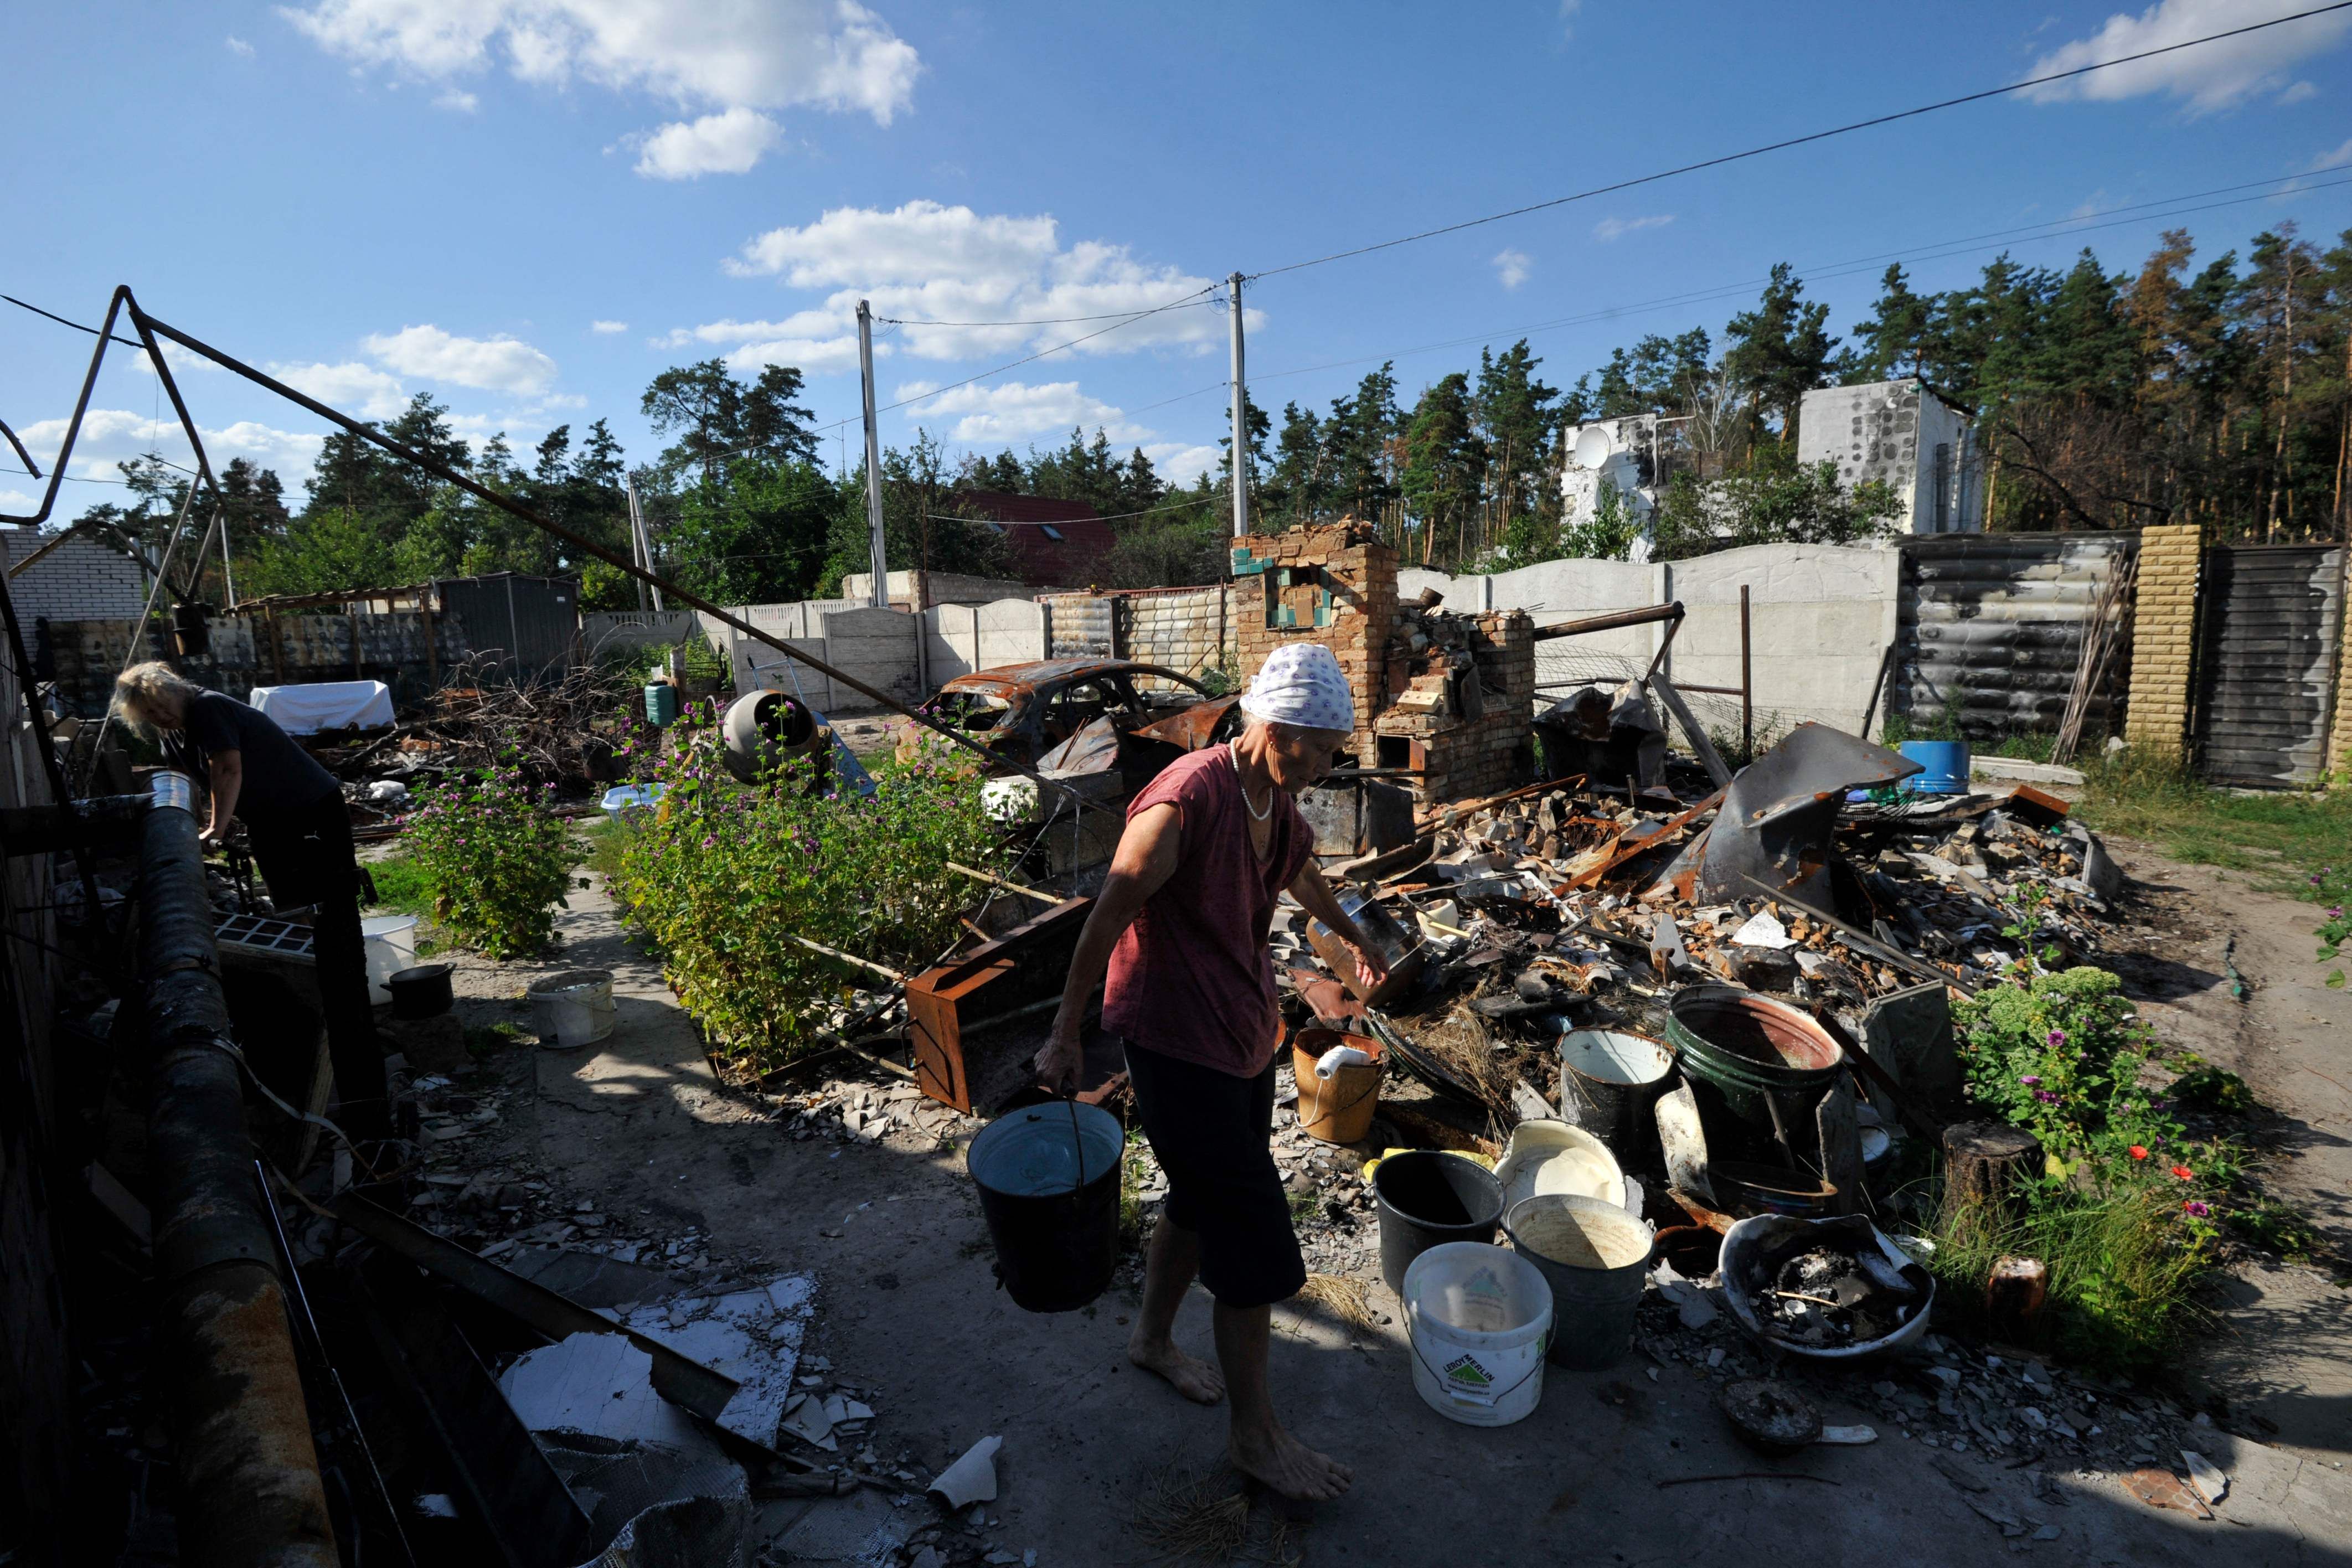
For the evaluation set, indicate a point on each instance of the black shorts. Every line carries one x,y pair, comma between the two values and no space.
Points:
1212,1135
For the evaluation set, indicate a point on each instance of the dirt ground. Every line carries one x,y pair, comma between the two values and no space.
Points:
1631,1465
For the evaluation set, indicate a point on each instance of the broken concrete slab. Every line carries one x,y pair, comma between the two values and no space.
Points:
600,1386
753,1336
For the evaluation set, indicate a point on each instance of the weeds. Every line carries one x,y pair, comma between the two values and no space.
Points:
494,859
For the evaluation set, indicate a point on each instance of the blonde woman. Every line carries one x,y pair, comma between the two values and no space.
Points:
300,836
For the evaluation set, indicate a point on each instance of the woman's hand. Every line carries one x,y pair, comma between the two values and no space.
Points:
1063,1055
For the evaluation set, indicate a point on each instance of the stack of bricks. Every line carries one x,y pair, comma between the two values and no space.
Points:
1466,688
1334,585
2164,635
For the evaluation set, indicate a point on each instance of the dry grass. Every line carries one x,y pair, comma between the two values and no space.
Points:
1349,1301
1179,1516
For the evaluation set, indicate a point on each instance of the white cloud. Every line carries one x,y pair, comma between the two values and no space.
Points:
112,436
1616,227
1512,267
730,142
349,386
2211,77
2330,160
721,56
926,262
813,341
2298,92
608,326
1567,10
1180,465
182,361
1012,410
495,365
18,501
238,47
457,102
2093,204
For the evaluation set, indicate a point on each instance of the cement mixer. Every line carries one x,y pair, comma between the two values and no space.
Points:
765,730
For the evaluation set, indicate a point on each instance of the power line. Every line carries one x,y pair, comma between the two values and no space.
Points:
1045,321
1799,141
2058,229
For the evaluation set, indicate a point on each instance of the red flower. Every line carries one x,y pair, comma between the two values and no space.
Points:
2137,1152
2183,1172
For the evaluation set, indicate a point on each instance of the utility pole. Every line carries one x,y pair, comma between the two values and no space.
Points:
641,540
1241,416
879,595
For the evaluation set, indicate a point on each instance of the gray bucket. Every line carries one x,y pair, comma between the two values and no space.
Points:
1596,1259
1612,1081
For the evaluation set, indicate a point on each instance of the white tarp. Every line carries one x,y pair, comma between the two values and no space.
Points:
325,705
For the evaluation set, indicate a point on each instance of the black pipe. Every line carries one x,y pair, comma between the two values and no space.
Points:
248,1475
1612,621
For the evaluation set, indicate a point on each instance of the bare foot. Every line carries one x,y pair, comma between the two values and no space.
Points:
1193,1378
1289,1466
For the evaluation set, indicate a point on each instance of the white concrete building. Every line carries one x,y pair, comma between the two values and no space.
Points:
1904,433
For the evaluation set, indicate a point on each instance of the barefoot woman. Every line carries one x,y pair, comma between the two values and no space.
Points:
1181,927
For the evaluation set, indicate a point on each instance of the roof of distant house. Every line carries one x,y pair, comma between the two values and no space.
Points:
1059,543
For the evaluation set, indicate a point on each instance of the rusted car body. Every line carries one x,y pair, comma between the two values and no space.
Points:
1025,711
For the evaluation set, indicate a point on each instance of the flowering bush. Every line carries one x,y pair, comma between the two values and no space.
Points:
496,860
721,878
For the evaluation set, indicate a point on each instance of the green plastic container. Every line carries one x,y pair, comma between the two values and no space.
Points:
1747,1052
661,704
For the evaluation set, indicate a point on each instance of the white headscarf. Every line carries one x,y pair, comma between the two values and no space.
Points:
1300,684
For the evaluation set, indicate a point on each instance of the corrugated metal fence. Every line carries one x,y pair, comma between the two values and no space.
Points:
1992,627
2266,663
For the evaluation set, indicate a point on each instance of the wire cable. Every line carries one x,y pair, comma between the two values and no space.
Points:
1784,145
1186,303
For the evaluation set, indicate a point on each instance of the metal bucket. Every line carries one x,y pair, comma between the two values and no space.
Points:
1761,1064
1428,1198
1946,765
1048,1181
1596,1259
1608,1083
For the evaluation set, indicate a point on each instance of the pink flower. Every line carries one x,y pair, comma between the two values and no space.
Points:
2197,1208
2030,1078
2057,1037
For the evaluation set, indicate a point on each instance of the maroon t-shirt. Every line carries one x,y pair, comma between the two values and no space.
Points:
1193,977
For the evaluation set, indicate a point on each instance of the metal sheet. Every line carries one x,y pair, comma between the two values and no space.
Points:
1779,813
2266,663
1993,624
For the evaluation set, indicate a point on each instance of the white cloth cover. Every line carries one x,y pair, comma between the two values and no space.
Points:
325,705
1301,683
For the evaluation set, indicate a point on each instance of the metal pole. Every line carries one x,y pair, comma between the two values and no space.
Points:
1746,685
878,592
1241,416
248,1477
636,535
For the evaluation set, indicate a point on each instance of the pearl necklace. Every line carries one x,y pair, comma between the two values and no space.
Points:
1232,755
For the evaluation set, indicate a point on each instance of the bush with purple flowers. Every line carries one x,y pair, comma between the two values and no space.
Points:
496,859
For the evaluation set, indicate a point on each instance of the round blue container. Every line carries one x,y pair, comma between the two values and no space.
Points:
1946,763
661,705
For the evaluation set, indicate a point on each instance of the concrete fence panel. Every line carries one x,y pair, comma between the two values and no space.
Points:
877,647
610,630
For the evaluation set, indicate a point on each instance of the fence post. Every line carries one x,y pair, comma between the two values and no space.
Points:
2164,634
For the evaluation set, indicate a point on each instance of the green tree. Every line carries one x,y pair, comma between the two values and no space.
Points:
1780,350
716,418
1443,462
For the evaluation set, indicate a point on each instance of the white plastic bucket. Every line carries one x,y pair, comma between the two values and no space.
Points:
1478,1317
623,801
391,944
573,1008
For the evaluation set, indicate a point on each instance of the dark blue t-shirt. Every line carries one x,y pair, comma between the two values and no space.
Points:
279,776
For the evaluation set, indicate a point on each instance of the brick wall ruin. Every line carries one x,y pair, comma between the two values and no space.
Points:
2164,637
1446,695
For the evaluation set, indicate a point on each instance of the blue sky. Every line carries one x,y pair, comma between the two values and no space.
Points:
529,207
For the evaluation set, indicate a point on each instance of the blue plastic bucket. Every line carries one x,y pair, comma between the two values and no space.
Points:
1947,766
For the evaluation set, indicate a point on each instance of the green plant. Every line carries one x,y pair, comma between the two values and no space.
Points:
400,885
725,880
2061,1054
496,860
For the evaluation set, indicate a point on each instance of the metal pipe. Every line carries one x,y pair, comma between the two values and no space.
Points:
249,1489
1612,621
1747,684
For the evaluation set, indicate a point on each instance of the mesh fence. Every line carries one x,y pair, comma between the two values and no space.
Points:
1561,666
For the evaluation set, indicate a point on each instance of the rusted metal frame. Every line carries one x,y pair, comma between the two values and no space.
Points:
80,407
1612,621
611,558
1707,758
249,1487
1746,683
23,456
1709,690
1665,646
686,1383
1651,841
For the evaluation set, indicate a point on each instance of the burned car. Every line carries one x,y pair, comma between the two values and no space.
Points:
1024,712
